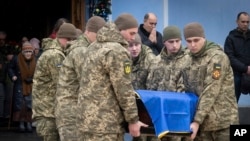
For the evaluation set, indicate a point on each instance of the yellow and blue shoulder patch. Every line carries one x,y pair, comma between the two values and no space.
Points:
127,67
216,71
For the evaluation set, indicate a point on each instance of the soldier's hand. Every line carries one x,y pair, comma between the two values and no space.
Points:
134,129
194,127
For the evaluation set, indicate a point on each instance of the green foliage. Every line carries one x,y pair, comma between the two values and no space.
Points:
102,8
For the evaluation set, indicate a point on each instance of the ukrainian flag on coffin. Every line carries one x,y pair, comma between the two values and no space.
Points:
171,112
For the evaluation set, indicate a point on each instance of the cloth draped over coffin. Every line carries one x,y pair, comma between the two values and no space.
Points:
171,112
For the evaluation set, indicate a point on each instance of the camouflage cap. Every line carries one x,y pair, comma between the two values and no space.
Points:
193,29
171,32
126,21
137,39
95,23
67,30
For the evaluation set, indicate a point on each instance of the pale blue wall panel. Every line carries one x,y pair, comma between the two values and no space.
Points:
217,16
139,8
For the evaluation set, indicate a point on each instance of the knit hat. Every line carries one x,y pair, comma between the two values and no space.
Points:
126,21
171,32
193,30
78,32
27,46
67,30
95,23
137,39
35,43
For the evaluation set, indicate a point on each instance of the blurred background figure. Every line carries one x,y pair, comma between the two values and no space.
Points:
2,71
56,27
21,70
36,45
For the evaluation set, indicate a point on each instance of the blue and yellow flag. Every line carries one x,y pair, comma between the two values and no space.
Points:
171,112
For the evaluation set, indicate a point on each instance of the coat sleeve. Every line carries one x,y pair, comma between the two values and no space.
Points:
118,65
67,88
212,86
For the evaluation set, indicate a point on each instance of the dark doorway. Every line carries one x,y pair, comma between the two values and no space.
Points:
31,18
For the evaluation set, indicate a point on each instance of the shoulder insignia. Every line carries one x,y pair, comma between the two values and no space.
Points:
216,71
127,67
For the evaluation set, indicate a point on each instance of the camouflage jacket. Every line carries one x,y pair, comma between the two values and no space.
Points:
211,77
68,83
140,67
164,72
45,79
106,96
82,40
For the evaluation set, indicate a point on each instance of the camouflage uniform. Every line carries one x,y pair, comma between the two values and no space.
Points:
164,72
67,88
140,72
210,76
106,97
82,41
44,89
140,67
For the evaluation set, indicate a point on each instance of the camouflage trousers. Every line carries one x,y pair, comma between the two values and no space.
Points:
68,133
173,138
146,138
100,137
46,128
218,135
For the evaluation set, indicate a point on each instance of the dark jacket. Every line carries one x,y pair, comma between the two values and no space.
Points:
156,47
237,47
14,70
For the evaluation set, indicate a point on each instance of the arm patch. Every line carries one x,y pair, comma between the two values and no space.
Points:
127,67
216,71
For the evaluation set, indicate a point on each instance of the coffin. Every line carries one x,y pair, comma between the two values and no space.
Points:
166,113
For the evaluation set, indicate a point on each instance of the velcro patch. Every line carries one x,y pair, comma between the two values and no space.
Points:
127,67
216,71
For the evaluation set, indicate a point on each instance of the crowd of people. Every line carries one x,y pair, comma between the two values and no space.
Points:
82,85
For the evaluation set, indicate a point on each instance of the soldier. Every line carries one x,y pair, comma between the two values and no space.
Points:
141,56
45,82
68,84
106,98
210,76
165,70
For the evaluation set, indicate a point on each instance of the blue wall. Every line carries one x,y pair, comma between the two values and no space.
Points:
139,8
218,17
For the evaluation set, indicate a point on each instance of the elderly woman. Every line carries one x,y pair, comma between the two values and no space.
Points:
21,70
